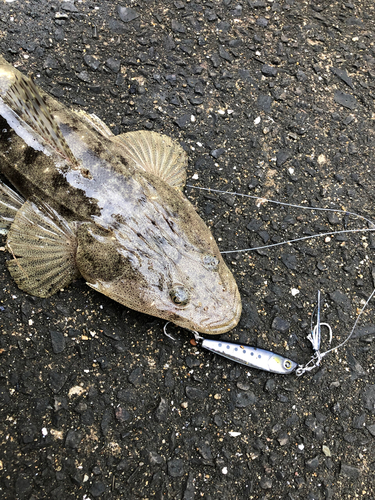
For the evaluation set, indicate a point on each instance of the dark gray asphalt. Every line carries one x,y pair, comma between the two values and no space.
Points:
273,99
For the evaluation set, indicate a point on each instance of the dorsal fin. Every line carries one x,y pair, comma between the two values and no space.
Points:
24,98
95,122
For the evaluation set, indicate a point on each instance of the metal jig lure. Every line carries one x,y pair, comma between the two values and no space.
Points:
252,357
249,356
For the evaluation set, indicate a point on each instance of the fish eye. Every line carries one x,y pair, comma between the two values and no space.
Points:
210,262
179,295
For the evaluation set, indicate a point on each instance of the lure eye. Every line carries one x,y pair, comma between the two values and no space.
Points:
287,364
210,262
179,295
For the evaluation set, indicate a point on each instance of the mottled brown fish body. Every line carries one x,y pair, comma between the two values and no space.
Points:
134,236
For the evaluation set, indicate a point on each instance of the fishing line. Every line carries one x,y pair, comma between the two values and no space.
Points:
315,334
354,326
262,200
365,230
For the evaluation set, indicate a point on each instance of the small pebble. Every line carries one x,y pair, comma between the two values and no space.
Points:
269,70
127,14
346,100
280,324
175,467
312,464
97,489
58,342
91,62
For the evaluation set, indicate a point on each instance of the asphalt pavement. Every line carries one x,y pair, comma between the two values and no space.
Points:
273,99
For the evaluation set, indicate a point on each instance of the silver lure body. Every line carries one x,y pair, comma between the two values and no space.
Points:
251,356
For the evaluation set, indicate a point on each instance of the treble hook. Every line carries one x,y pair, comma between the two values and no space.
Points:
315,337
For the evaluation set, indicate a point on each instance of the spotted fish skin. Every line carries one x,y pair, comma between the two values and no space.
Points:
36,114
124,227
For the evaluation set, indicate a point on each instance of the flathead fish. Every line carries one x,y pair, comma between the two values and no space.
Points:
107,208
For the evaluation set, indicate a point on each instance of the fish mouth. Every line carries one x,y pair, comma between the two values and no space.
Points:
217,327
227,320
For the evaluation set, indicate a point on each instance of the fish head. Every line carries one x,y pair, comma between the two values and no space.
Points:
172,269
198,293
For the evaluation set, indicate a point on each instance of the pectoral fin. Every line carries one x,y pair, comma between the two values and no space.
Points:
155,153
10,203
43,245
